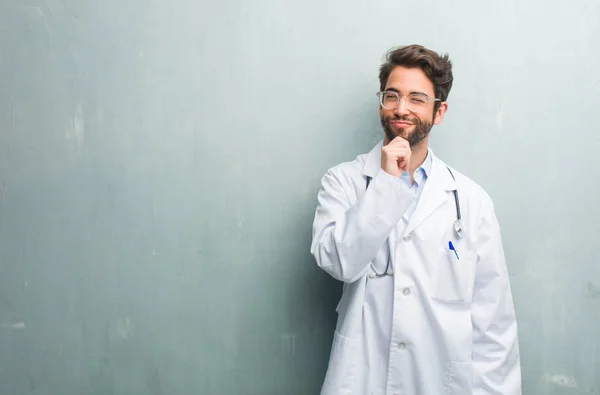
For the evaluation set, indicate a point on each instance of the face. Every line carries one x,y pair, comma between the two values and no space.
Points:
411,126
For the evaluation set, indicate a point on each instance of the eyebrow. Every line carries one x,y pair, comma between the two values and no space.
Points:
413,92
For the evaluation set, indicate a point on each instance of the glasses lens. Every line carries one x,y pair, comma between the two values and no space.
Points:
389,100
417,102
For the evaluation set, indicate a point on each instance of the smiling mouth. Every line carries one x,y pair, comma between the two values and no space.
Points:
401,123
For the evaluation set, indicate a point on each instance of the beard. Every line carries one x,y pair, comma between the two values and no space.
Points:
420,130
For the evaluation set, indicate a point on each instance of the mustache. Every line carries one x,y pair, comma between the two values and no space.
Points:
416,121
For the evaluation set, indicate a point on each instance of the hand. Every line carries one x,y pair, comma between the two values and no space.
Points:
395,157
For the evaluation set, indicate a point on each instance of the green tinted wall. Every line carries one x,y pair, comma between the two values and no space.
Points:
159,164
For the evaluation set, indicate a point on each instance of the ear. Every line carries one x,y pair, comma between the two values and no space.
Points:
439,114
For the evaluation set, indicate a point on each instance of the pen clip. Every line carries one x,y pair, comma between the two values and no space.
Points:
451,248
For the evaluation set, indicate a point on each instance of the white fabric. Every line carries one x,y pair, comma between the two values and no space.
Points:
439,325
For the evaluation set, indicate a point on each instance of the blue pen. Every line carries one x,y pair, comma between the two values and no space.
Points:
451,247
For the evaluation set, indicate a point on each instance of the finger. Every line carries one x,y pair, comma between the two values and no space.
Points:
400,153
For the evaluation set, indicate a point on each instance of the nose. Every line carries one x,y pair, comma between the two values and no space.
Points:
402,108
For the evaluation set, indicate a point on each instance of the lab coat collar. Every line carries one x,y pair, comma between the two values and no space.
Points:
435,192
373,161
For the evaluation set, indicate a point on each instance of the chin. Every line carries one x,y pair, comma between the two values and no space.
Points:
404,133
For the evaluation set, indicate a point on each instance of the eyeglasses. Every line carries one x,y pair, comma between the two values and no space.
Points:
416,102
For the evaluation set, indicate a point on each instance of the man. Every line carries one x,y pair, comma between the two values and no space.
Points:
426,307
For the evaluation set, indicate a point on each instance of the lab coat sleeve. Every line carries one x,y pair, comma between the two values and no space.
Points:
347,234
496,360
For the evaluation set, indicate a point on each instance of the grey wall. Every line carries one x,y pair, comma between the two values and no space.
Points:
154,232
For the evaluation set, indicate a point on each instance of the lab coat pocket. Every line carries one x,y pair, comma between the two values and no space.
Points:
454,276
458,380
342,366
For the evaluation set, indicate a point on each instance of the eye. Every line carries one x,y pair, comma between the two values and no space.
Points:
418,99
389,96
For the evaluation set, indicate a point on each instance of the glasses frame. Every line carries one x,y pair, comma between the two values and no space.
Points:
400,96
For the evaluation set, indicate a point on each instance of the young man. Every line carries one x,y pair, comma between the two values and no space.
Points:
426,307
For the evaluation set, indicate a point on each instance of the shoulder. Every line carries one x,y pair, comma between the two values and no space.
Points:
470,190
470,186
345,179
349,168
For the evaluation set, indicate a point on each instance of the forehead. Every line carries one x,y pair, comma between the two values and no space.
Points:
407,80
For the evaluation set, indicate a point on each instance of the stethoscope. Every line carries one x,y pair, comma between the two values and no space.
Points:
457,226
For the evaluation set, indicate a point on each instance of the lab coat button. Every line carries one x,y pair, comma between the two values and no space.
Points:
402,346
406,291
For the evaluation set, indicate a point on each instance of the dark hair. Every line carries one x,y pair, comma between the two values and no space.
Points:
437,68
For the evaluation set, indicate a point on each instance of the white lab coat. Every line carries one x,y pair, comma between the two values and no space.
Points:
453,329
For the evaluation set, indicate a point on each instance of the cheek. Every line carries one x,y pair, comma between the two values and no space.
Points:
423,120
384,113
